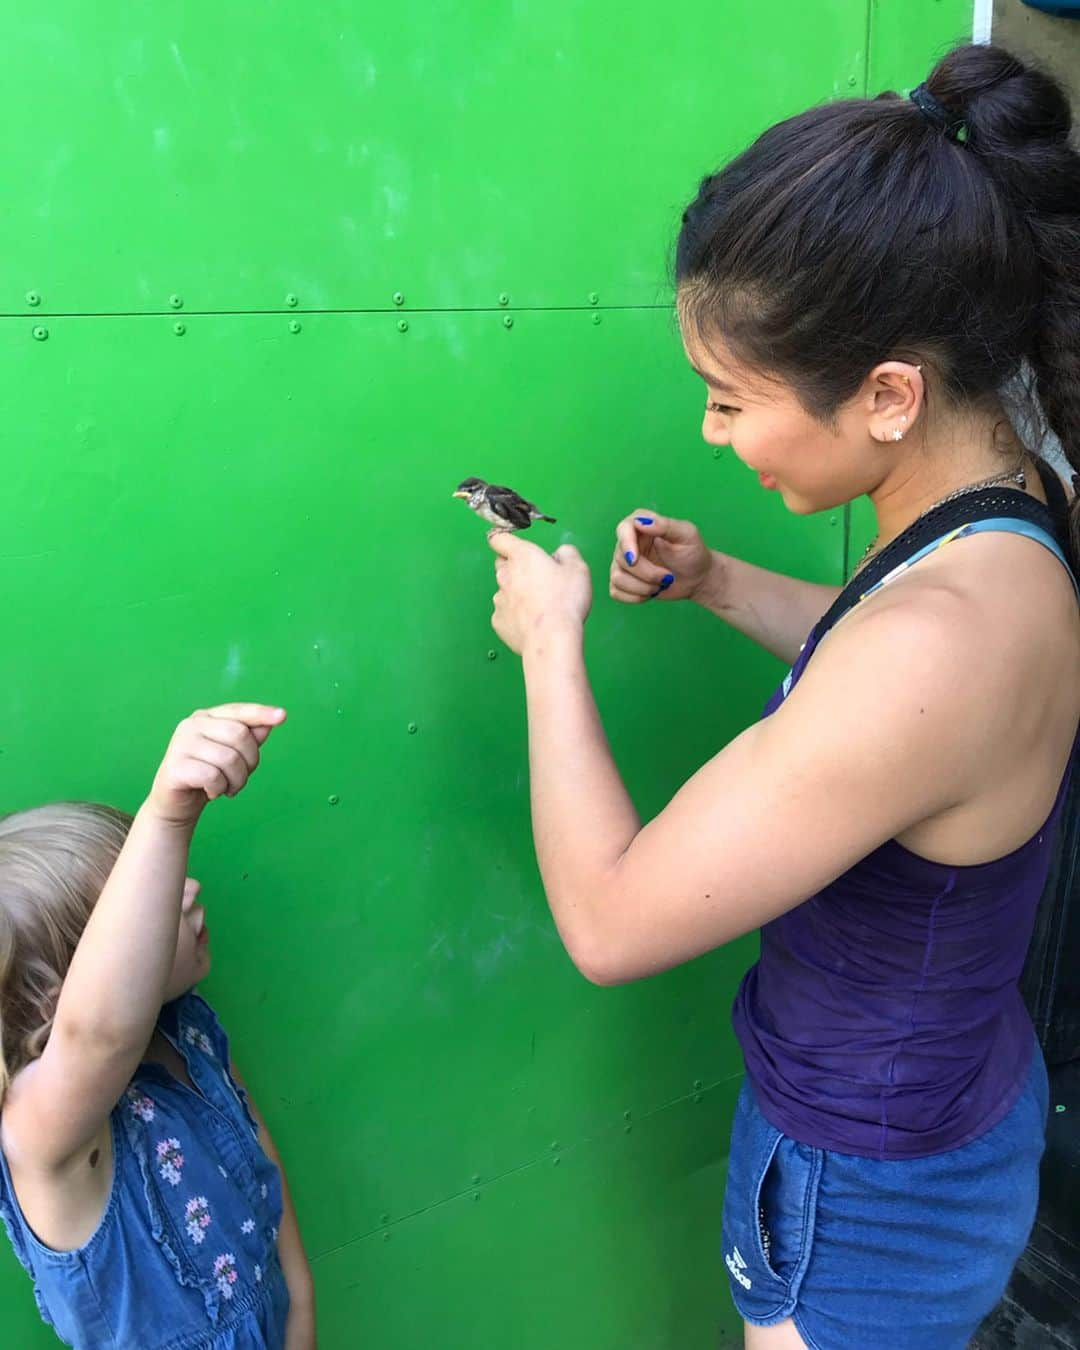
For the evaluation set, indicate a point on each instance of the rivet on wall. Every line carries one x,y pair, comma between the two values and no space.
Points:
596,318
176,302
333,799
508,321
399,298
33,299
504,299
291,300
294,325
179,329
412,728
594,299
403,325
40,333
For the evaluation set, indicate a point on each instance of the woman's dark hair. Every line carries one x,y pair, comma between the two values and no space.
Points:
859,231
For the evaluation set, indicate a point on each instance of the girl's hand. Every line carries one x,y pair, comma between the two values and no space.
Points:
656,556
537,591
212,754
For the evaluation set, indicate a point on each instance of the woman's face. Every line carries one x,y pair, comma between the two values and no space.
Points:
814,467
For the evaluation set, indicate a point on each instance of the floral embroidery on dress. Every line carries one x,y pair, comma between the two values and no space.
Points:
248,1226
264,1190
225,1273
140,1104
258,1274
197,1218
222,1171
170,1160
194,1036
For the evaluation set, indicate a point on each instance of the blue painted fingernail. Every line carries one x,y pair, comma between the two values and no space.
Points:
629,557
669,580
644,520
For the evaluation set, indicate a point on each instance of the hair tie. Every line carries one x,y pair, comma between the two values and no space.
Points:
934,111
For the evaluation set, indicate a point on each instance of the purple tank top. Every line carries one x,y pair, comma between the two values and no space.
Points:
883,1017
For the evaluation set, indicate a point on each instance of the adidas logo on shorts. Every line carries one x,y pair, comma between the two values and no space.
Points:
735,1263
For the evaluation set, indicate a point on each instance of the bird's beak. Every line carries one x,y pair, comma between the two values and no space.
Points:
459,493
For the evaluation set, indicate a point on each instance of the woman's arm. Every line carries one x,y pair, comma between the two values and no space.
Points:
773,610
878,736
658,557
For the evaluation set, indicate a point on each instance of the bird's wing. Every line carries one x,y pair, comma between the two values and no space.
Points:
514,509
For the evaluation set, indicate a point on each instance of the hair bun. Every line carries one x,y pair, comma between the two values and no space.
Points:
1006,104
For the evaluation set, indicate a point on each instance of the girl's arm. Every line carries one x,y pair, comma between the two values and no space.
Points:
119,974
300,1330
663,558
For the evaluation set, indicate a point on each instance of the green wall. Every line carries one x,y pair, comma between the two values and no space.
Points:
273,279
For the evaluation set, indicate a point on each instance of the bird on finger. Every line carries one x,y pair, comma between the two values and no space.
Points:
502,507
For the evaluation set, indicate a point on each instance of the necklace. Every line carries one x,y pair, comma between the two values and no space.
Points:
1017,476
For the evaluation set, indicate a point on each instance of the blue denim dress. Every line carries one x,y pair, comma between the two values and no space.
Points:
185,1254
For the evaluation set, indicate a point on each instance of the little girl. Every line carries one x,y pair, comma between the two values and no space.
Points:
138,1184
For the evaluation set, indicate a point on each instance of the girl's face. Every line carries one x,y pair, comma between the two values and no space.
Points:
813,467
192,961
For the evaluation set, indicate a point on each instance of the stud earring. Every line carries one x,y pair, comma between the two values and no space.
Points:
897,435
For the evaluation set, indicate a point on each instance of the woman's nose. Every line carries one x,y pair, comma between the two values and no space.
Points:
714,431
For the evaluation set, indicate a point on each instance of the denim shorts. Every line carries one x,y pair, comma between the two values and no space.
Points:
909,1254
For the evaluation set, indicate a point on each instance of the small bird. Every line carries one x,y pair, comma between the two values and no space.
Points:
501,507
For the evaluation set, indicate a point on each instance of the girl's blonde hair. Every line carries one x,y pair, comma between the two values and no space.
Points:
54,862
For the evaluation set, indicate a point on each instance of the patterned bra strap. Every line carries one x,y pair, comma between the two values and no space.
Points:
1001,524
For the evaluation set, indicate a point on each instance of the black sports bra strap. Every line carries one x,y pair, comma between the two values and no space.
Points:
985,504
1055,495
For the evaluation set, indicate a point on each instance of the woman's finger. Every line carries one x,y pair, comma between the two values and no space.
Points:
653,574
627,548
651,525
622,583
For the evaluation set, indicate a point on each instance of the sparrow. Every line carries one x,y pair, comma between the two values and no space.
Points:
501,507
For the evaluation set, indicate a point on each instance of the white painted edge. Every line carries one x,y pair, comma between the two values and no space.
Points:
983,21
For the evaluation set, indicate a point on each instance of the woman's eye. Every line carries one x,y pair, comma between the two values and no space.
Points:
710,406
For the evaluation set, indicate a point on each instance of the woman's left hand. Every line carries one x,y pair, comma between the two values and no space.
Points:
538,591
